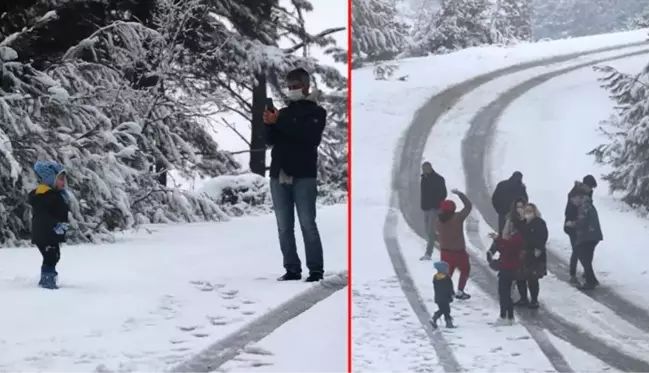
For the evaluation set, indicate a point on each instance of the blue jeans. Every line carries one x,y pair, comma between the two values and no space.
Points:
287,198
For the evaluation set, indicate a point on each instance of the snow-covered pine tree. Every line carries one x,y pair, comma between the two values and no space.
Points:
627,132
460,24
572,18
333,151
513,20
641,20
108,130
377,32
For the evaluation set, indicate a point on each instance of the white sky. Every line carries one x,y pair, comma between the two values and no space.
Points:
327,14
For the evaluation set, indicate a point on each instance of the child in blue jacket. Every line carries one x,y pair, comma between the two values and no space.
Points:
50,210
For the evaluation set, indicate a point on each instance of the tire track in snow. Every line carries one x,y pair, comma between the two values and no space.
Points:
405,185
229,347
476,147
444,352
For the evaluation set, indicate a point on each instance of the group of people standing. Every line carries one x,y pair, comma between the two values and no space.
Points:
520,241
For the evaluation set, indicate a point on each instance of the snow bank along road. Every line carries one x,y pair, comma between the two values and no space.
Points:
405,193
229,347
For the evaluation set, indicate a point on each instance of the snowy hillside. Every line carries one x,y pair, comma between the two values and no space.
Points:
550,113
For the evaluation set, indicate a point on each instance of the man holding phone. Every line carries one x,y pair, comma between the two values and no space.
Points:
295,132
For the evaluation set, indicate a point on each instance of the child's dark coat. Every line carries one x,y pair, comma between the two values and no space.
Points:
48,209
443,286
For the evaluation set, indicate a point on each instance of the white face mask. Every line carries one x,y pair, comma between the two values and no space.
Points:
294,94
529,217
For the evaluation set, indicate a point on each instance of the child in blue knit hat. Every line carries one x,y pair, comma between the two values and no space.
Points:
50,210
443,286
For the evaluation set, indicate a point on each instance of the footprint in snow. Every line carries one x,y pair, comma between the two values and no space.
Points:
188,328
201,335
248,312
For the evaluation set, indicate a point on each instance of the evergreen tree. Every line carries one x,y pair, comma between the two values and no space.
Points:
627,149
641,20
377,32
572,18
460,24
513,20
122,95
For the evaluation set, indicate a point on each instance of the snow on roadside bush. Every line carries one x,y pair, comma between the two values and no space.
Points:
249,193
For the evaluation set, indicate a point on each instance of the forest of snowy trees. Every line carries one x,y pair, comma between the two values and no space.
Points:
123,91
385,29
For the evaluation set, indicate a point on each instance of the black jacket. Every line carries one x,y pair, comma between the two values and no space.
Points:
433,191
535,233
295,139
48,209
443,286
570,213
507,191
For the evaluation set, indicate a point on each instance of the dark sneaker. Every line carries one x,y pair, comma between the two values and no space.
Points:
314,277
449,323
588,286
522,303
462,295
433,322
290,276
574,281
534,305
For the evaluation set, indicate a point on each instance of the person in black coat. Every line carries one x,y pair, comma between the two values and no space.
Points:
535,234
295,132
506,192
433,192
585,187
49,202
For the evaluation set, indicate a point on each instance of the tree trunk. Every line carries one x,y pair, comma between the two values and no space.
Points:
257,137
160,169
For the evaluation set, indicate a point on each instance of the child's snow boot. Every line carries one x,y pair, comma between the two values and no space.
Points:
48,280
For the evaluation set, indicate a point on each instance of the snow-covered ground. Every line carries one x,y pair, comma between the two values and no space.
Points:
382,110
279,352
158,296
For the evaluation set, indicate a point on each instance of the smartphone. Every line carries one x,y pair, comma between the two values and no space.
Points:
269,104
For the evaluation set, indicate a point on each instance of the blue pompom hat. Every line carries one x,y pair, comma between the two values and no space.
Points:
48,171
441,267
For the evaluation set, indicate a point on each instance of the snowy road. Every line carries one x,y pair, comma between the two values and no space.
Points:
605,347
159,296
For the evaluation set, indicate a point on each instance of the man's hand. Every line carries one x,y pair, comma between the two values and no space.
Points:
570,224
537,253
493,235
457,192
270,116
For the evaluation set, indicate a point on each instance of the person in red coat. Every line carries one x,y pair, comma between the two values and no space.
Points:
510,246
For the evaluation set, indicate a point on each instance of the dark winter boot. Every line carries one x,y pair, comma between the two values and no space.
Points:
449,322
314,277
433,321
290,276
48,281
534,305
